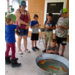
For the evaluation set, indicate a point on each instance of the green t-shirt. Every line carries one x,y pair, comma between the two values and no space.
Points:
62,32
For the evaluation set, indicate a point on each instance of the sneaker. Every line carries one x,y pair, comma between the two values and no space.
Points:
57,53
36,48
27,51
44,51
33,48
20,52
62,55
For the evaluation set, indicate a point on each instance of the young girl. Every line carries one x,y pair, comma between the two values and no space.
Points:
10,42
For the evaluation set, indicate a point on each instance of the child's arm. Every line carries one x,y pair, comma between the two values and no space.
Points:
35,26
51,27
66,27
48,51
52,51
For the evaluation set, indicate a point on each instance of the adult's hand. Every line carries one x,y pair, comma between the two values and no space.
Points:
26,27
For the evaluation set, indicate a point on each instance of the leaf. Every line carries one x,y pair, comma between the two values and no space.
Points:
9,12
5,18
10,5
5,13
13,17
12,9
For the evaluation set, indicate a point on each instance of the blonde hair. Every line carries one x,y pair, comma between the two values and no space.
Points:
8,19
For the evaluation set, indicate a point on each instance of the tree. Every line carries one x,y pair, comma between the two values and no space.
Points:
18,1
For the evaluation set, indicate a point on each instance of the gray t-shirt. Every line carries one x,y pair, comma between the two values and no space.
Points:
62,32
35,29
54,48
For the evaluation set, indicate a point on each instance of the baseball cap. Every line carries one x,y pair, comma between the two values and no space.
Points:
64,10
23,3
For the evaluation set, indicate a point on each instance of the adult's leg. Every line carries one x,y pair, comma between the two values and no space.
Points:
19,42
7,50
25,42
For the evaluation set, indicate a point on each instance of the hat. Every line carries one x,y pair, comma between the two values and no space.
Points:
64,10
23,3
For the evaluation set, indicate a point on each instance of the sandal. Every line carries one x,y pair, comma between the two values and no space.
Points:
26,50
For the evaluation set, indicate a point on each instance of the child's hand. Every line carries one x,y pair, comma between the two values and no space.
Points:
49,27
48,22
37,25
60,25
48,51
57,26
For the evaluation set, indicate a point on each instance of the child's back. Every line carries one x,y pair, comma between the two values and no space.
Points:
10,33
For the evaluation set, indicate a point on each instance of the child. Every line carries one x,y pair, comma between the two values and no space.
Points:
10,42
49,26
52,47
61,30
35,33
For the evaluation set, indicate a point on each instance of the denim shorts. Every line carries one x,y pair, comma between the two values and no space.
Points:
23,32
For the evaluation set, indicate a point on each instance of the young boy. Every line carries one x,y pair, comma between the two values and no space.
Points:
61,30
10,42
35,32
49,26
52,47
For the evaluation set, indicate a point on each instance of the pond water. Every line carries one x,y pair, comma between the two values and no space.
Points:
53,66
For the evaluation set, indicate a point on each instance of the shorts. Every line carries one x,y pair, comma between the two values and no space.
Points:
34,36
23,32
48,36
62,41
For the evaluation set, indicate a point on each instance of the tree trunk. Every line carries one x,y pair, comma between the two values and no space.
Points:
7,5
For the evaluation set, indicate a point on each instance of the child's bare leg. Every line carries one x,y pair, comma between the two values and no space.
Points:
32,43
63,49
45,46
35,42
58,46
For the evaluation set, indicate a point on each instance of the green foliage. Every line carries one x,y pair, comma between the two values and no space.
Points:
13,17
5,18
12,9
10,5
5,13
9,12
18,1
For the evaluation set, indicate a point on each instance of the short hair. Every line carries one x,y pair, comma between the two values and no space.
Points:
8,19
50,14
35,15
54,40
